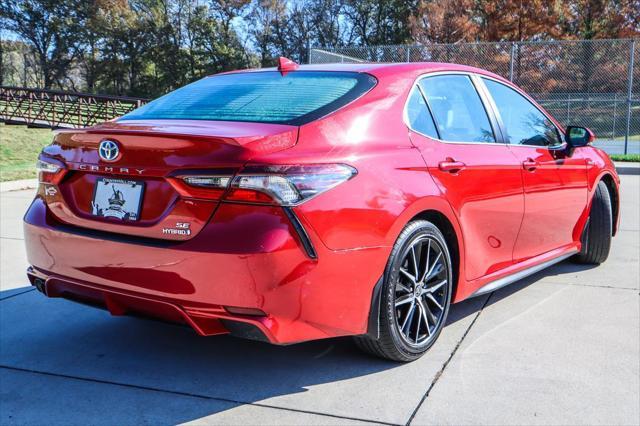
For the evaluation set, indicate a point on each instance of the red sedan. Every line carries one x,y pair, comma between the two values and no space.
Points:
307,202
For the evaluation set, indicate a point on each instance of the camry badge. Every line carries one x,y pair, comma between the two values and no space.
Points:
108,150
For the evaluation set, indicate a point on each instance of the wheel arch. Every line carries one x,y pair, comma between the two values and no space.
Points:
453,238
448,231
614,197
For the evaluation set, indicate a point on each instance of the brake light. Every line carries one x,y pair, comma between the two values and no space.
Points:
275,185
49,170
264,188
286,185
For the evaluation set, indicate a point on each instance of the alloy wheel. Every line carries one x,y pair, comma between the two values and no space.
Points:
421,291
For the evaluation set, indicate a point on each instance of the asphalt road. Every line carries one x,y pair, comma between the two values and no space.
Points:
617,146
561,347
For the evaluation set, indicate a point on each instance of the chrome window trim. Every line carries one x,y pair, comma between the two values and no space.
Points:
563,143
488,103
497,133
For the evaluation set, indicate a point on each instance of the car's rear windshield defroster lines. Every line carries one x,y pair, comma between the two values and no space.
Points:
265,97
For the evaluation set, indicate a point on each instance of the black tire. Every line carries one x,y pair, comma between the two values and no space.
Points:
393,343
596,236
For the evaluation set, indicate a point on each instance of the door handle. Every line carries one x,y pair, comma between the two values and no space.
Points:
530,164
451,166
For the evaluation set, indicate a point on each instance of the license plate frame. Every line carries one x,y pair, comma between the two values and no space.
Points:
117,199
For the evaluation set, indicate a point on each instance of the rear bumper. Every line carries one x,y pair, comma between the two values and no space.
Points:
216,321
247,257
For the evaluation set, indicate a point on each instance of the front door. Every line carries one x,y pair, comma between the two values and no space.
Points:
555,184
480,178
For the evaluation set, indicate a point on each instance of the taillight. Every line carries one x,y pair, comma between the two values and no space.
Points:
205,186
275,185
49,170
286,185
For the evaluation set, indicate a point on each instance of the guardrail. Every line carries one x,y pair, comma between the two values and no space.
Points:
55,109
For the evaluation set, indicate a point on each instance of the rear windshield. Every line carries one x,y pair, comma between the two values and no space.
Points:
264,97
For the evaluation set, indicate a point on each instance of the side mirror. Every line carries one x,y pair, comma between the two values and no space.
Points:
578,136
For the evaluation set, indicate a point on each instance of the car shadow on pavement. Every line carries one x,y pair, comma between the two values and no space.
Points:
66,341
122,355
465,308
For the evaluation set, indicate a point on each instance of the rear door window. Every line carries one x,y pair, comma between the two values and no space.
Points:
457,108
295,98
418,116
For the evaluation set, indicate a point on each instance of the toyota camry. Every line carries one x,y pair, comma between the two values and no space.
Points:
308,202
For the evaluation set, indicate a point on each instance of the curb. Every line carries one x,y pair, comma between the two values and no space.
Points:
17,185
627,168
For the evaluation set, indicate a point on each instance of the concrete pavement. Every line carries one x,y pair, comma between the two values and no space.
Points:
560,347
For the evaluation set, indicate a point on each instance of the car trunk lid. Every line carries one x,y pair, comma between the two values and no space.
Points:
152,153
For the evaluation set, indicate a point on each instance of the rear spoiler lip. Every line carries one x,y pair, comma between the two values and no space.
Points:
256,138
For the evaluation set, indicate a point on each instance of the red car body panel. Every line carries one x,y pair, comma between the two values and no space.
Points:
555,195
487,197
503,218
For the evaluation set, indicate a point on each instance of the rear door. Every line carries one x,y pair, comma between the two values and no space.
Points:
479,175
555,184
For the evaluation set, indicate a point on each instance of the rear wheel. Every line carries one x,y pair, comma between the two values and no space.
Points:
416,295
596,237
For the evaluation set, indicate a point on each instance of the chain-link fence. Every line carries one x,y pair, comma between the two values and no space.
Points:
594,83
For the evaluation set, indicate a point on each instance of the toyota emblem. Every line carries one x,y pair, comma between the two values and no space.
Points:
108,150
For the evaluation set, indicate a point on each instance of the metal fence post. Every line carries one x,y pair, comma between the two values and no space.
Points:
615,112
408,54
511,60
629,92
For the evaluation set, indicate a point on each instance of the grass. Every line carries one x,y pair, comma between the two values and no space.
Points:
625,157
19,149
